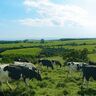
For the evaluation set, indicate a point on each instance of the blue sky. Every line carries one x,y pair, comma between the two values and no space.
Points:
36,19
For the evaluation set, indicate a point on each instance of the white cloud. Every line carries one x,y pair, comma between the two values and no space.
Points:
55,14
36,22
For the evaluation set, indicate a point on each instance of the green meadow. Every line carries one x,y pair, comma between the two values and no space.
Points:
57,82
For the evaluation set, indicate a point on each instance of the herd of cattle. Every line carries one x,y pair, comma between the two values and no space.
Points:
24,70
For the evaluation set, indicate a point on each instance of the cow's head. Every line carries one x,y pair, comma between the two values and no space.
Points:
34,74
38,75
81,66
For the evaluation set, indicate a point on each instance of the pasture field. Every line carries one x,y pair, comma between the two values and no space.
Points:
36,51
24,51
81,47
92,57
50,43
18,48
57,82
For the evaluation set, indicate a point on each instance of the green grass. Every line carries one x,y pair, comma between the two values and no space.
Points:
92,57
25,51
89,47
54,83
50,43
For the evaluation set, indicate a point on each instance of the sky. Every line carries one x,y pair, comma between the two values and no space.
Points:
47,19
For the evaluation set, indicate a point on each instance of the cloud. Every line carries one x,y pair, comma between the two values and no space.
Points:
51,14
36,22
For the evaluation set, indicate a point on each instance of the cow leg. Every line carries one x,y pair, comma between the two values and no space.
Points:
0,85
83,82
47,67
87,83
1,90
25,81
10,87
52,67
17,86
67,74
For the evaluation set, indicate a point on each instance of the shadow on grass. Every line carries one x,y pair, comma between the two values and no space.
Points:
27,92
87,92
5,93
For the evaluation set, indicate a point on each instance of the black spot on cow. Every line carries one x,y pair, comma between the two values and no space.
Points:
14,72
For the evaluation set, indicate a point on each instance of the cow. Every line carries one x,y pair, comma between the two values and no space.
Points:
16,72
29,65
56,62
75,65
46,63
88,72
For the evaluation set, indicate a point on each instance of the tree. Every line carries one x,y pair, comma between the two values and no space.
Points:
42,41
76,55
83,55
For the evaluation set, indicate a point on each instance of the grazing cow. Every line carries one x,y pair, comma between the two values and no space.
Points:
16,72
47,63
57,62
28,73
89,71
75,65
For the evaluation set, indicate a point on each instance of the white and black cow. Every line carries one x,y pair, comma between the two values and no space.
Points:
16,72
89,71
75,65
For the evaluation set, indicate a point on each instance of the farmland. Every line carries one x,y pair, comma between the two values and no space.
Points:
25,51
54,82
